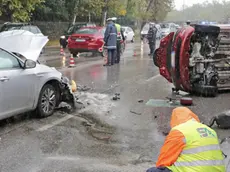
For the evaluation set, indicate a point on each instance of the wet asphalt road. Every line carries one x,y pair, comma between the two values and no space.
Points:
63,143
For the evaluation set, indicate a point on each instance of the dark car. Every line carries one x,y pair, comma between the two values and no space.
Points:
72,29
21,26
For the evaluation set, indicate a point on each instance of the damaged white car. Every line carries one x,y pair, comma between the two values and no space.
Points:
25,84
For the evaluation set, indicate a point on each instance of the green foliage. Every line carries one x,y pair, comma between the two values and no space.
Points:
18,10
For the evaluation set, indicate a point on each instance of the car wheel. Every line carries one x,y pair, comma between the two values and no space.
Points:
104,52
132,40
47,101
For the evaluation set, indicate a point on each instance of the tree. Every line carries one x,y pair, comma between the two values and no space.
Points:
18,10
215,11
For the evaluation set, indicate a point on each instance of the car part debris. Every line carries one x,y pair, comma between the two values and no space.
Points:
222,120
116,96
66,93
186,101
137,113
83,88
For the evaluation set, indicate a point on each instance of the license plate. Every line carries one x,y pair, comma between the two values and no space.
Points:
80,40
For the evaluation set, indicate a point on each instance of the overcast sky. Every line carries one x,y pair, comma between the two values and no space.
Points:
179,3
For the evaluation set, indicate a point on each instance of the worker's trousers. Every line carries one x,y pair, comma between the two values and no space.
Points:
118,52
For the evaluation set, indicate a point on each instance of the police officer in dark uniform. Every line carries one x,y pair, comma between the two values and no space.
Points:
152,38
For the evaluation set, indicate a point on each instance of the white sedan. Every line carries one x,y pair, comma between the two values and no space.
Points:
25,84
128,33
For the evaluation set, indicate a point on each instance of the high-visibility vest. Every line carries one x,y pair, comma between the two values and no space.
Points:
202,151
118,32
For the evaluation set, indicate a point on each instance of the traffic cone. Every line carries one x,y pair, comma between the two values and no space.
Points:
71,61
134,54
105,60
63,61
62,51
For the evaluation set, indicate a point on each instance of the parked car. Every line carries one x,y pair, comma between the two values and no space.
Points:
21,26
25,84
168,28
86,39
145,30
128,33
72,29
159,32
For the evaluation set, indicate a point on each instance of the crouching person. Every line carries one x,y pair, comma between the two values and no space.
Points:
190,146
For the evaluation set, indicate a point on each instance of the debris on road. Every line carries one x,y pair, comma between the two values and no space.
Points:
222,120
116,96
186,101
140,101
137,113
83,88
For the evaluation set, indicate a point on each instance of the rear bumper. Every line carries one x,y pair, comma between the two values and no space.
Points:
81,50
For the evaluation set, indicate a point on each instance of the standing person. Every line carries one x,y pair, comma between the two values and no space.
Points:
120,37
152,38
190,146
110,39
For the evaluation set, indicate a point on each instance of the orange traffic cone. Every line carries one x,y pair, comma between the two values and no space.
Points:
62,51
105,60
71,62
134,54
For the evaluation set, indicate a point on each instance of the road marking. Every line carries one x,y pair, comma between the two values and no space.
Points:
63,158
46,127
152,78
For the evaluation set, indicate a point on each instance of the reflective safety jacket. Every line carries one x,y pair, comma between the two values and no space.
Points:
190,145
119,36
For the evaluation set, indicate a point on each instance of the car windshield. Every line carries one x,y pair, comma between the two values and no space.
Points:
146,27
10,27
86,31
164,26
123,29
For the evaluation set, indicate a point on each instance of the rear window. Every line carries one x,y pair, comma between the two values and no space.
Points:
10,27
164,26
86,31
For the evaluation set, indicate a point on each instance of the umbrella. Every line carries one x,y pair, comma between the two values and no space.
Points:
23,42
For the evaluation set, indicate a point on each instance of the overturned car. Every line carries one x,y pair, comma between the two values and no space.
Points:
25,84
196,59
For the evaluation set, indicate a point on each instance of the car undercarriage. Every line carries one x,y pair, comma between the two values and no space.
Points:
196,59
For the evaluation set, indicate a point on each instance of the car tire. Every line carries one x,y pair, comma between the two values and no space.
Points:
104,52
132,40
48,92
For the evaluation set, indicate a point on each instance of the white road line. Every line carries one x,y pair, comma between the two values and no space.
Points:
152,78
46,127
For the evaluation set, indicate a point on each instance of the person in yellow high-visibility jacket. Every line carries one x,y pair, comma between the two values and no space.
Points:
120,37
190,146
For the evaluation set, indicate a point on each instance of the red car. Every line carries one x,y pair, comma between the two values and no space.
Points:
196,59
86,39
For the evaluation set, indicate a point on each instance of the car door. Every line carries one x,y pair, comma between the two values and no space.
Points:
17,85
131,33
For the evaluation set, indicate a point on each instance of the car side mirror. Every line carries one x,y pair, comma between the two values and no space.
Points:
29,64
